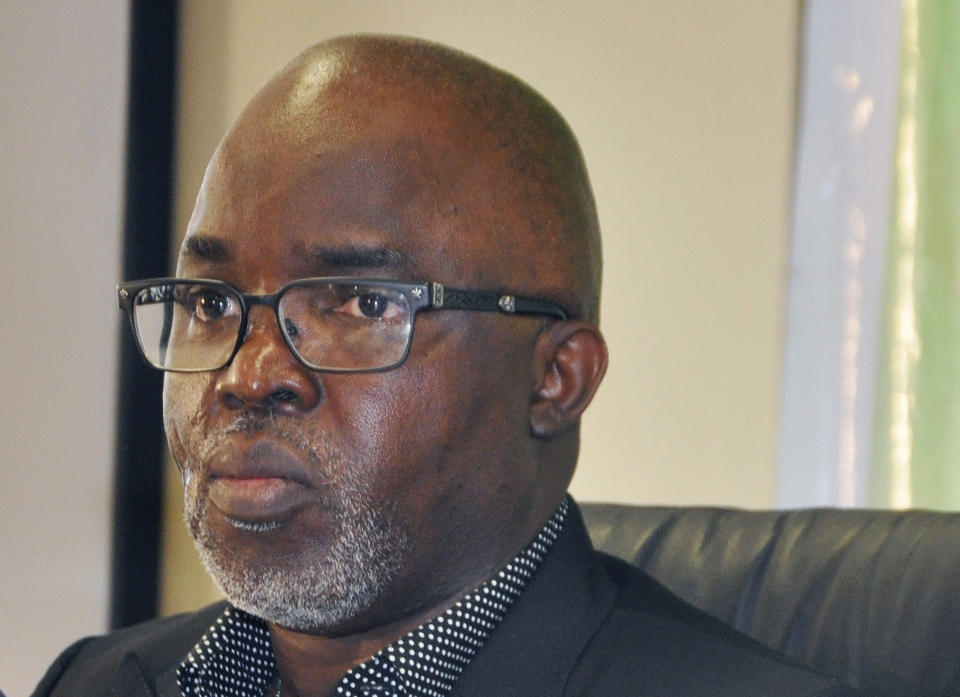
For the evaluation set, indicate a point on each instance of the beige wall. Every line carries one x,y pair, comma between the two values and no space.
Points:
62,95
684,109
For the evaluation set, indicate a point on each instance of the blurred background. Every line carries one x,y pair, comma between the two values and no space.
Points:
777,191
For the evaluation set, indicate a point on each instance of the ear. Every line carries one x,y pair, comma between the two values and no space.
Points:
570,360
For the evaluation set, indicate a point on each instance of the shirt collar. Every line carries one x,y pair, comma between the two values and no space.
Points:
235,656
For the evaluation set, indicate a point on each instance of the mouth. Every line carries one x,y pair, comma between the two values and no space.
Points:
258,488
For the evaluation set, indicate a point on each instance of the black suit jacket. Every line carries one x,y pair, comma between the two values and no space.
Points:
587,625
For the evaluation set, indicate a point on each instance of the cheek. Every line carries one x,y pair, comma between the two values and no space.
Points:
183,396
377,421
456,416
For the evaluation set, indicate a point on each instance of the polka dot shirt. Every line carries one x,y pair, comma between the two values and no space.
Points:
235,657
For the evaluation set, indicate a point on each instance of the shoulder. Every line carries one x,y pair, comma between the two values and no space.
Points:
590,625
653,642
97,665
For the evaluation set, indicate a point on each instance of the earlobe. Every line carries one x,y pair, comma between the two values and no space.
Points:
571,359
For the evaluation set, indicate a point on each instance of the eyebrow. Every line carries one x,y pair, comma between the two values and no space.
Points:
203,248
324,258
356,257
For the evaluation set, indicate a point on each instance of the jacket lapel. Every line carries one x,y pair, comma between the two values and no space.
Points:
131,680
167,684
535,648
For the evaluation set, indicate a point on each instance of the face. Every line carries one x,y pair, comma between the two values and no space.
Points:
336,502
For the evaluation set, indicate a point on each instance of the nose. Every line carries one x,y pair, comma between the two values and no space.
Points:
264,374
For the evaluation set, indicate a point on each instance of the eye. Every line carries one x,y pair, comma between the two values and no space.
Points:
371,305
208,305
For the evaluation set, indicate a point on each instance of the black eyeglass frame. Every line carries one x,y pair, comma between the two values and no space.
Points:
421,297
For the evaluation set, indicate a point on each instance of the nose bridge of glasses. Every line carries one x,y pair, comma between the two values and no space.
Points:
261,310
262,317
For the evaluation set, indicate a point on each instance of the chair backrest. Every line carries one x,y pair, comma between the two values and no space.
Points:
871,597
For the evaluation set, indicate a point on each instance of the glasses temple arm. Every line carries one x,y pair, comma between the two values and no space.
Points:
492,302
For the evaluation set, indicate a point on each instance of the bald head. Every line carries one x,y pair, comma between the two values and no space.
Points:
500,167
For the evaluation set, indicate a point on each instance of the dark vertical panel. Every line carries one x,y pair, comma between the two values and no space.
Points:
147,218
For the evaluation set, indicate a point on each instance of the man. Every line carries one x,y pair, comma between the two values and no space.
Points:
374,405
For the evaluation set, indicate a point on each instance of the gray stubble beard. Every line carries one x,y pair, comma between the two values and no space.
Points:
324,586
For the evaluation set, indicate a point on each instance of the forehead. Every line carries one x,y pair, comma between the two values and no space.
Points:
290,186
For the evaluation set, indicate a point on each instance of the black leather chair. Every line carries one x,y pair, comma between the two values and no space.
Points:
871,597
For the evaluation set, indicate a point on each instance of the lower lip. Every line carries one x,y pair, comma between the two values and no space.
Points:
256,499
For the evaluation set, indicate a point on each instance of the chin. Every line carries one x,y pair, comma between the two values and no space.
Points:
325,586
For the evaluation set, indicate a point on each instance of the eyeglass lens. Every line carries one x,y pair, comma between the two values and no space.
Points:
330,325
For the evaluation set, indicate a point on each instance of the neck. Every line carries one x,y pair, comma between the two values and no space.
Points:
311,665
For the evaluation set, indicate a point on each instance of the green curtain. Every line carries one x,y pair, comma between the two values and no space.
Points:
916,453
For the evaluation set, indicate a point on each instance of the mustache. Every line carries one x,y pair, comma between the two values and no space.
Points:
268,423
250,422
319,451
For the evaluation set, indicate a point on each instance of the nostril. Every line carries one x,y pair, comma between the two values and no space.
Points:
232,401
283,395
273,400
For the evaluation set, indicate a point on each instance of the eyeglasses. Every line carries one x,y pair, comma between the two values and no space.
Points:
332,324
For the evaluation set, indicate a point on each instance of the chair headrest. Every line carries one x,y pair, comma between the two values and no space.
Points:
871,597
